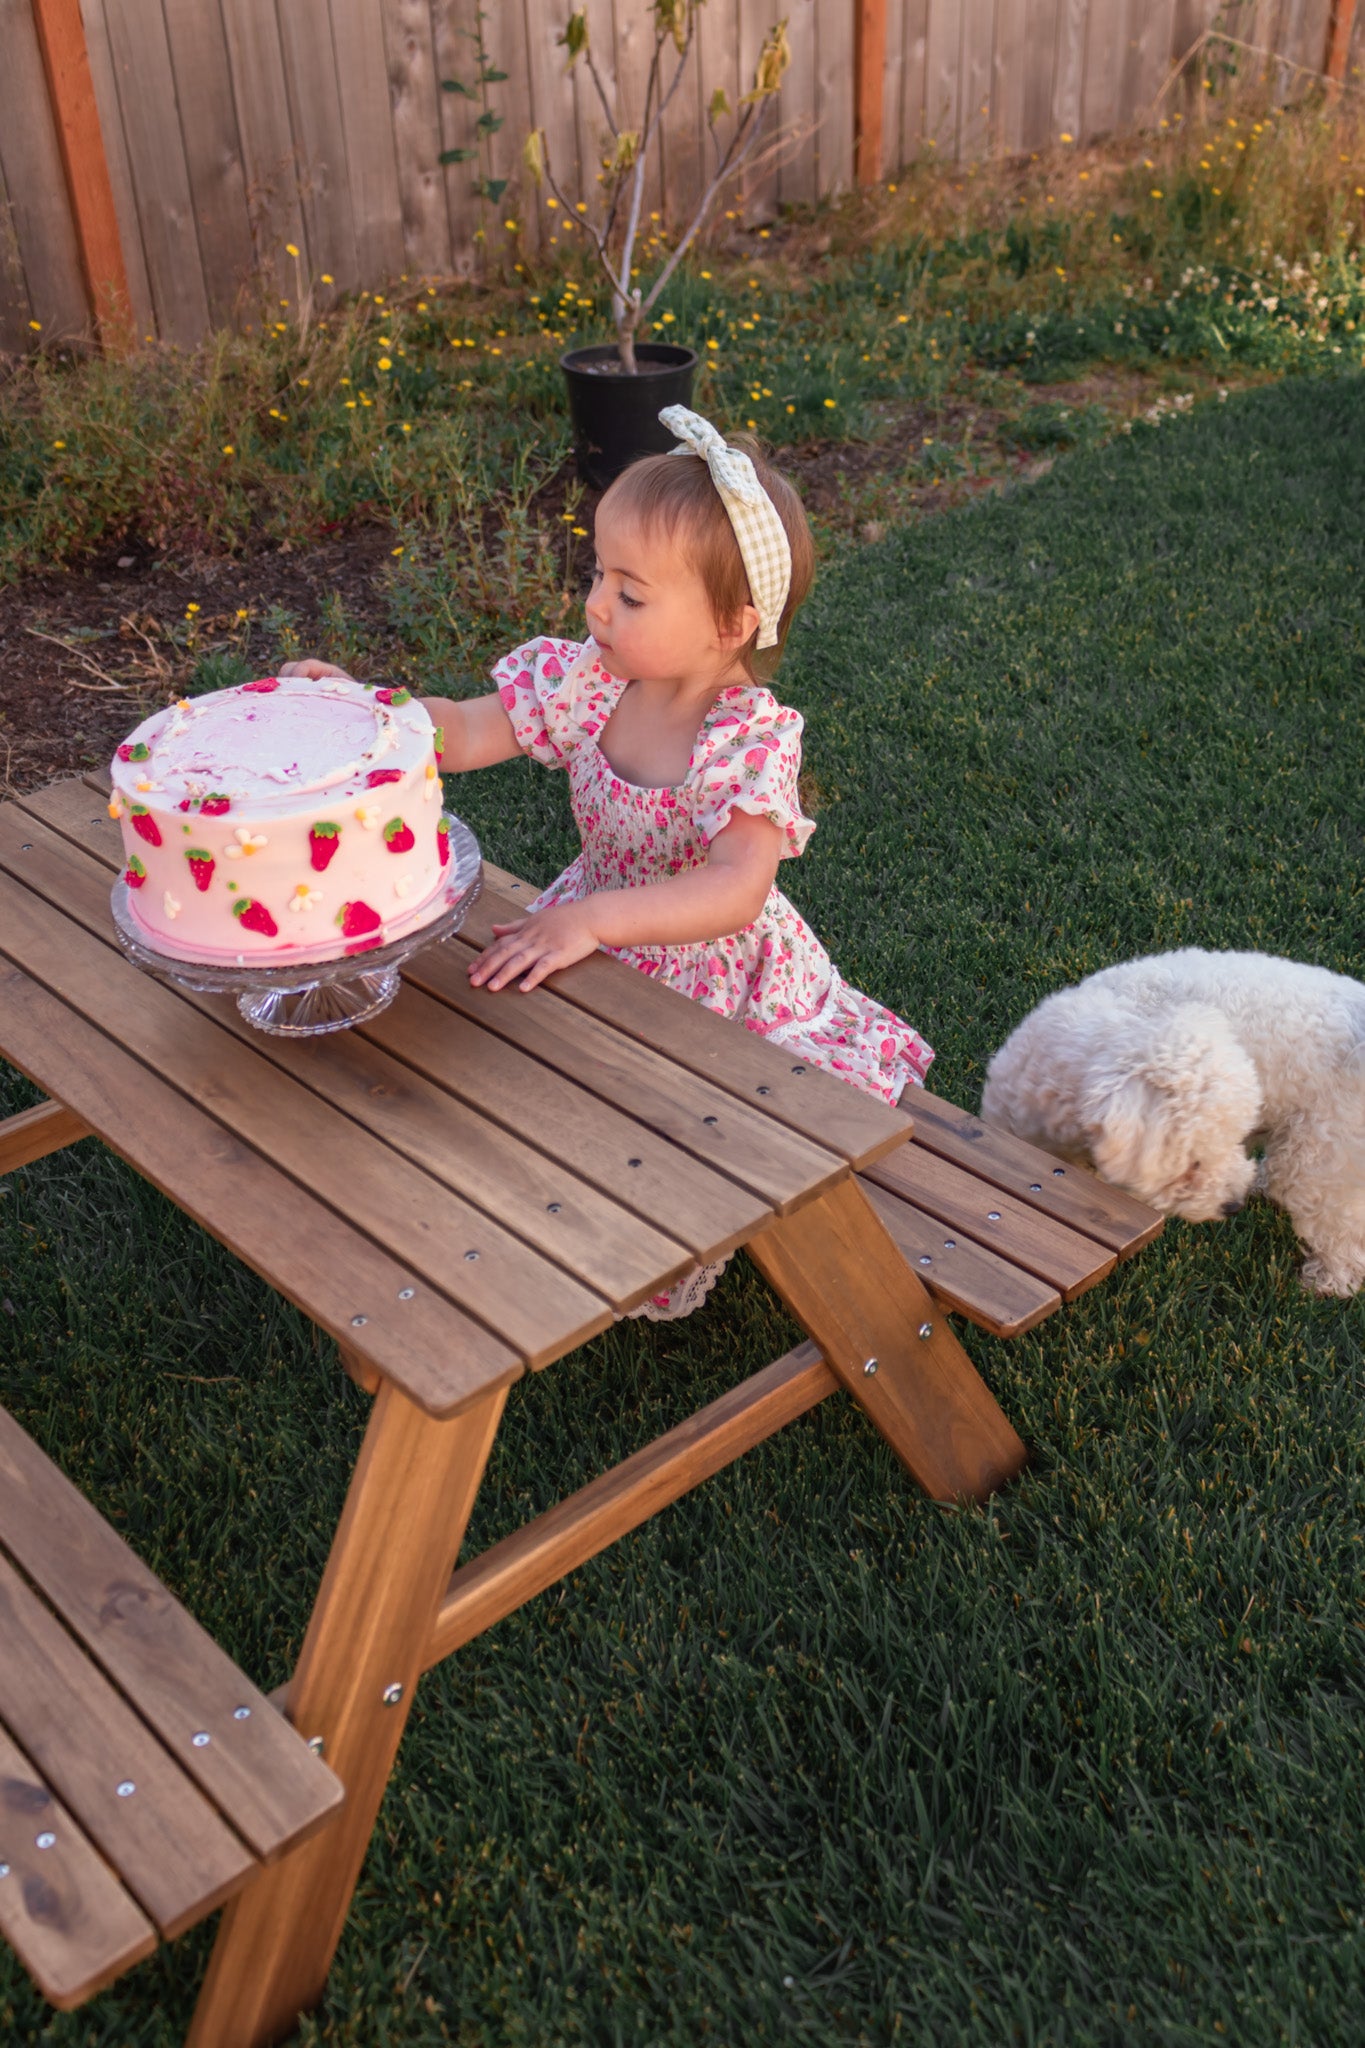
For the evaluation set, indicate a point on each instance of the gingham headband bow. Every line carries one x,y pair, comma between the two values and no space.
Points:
763,544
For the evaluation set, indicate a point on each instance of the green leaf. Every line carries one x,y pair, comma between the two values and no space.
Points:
491,77
457,85
456,156
490,189
489,122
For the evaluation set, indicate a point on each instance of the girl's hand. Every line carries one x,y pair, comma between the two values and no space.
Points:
535,946
314,670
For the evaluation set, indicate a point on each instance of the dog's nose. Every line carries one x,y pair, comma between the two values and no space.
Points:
1233,1208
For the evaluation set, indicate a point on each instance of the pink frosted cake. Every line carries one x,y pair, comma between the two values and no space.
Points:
281,820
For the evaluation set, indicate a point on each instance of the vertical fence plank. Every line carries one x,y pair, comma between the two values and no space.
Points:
75,114
256,65
453,22
366,131
834,62
974,91
32,167
1103,58
413,92
505,29
634,51
1007,97
869,88
156,149
323,149
120,169
1040,55
718,37
941,74
892,88
16,307
682,140
1068,77
591,124
213,153
913,73
798,111
756,199
550,108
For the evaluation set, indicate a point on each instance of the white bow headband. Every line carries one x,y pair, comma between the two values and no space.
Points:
763,544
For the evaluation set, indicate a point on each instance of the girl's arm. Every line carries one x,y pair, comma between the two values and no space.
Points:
706,903
477,730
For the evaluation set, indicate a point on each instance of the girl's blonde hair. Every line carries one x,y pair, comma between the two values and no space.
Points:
674,495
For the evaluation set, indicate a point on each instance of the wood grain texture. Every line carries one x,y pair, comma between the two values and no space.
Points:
977,78
1068,77
120,168
75,113
1059,1188
404,1521
706,1123
31,164
511,1572
1103,65
322,151
269,154
156,148
213,155
1040,42
818,1105
841,1276
459,1250
798,111
915,38
253,1767
1018,1232
961,1274
62,1910
1007,90
413,92
169,1846
16,308
834,85
353,1290
367,136
33,1133
869,87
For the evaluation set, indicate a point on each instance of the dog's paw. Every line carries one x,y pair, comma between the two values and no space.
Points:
1322,1276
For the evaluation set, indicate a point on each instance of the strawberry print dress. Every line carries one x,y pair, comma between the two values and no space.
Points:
774,976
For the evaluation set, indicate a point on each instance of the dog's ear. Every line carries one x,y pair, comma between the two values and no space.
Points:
1119,1119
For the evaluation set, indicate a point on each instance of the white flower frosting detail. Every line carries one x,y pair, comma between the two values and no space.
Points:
245,841
403,885
305,898
433,783
170,904
368,814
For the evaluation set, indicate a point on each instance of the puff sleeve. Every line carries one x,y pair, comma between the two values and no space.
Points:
753,763
549,691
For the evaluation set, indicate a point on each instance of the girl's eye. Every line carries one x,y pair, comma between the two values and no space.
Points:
633,604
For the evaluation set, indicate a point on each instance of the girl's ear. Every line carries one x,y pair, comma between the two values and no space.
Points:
740,630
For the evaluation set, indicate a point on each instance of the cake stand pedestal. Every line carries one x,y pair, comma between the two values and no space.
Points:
305,998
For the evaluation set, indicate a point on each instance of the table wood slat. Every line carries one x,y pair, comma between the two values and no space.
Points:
821,1107
611,1151
1058,1255
34,1133
441,1358
515,1182
1069,1193
963,1275
174,1853
777,1164
62,1909
254,1768
534,1306
692,1203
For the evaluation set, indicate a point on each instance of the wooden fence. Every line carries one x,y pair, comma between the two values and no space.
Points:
237,132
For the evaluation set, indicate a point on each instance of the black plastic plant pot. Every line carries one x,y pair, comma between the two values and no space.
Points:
616,416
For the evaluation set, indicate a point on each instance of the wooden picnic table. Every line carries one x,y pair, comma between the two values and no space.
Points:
465,1189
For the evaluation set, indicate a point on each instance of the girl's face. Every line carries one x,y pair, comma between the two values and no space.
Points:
649,613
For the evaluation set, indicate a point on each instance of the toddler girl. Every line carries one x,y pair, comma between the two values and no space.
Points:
682,766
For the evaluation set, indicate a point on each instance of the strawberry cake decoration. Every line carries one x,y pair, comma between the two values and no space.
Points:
234,806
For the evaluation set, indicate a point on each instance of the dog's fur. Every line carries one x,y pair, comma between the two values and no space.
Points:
1162,1073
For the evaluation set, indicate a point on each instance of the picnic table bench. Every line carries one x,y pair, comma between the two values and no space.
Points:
466,1188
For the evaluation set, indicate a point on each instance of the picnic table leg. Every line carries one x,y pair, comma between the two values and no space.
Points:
843,1278
400,1532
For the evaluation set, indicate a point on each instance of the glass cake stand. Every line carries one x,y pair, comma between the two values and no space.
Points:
305,998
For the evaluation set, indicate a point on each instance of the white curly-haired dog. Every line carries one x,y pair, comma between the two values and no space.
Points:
1163,1071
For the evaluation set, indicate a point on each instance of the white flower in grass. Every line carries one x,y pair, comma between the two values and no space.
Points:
305,897
170,904
244,841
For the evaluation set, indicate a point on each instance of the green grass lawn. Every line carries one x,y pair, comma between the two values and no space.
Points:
808,1759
